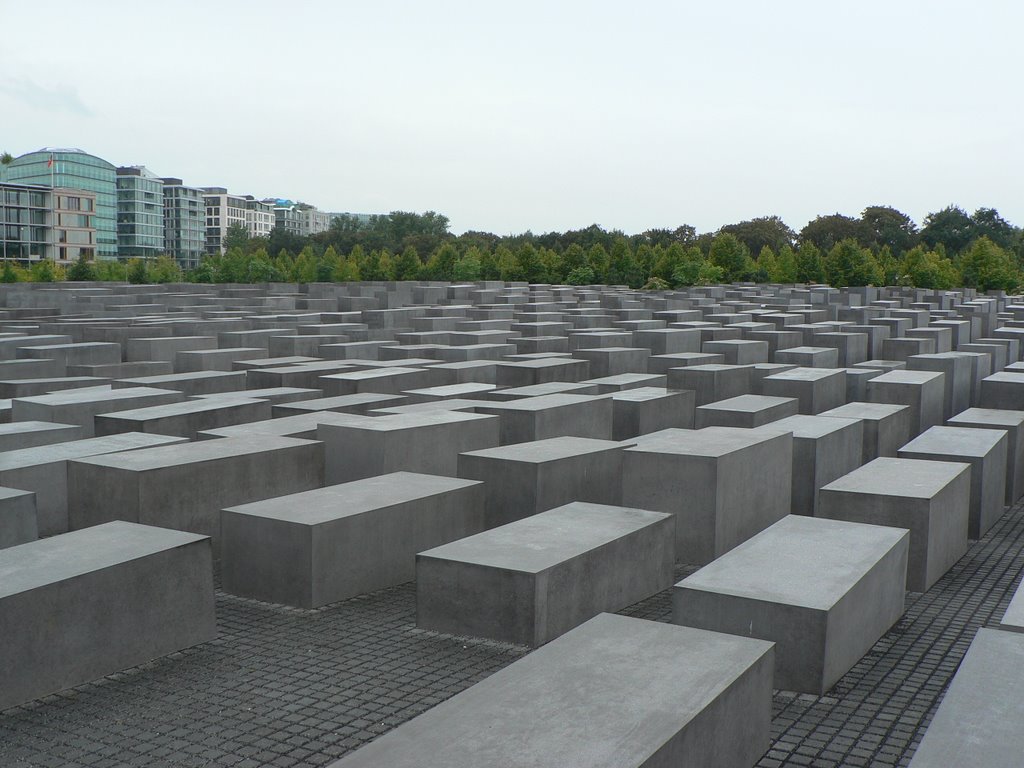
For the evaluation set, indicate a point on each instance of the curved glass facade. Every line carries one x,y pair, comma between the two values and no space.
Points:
75,169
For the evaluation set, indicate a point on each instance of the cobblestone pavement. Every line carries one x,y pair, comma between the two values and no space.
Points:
285,687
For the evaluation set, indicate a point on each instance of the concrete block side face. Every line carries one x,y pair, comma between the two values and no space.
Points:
838,454
351,453
111,619
947,535
799,633
265,559
865,612
18,521
606,579
754,491
461,598
98,494
594,477
894,432
377,549
510,487
685,486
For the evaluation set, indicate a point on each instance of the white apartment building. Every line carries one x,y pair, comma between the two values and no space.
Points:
222,210
315,221
259,217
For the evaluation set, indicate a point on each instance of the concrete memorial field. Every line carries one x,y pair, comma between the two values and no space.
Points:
504,524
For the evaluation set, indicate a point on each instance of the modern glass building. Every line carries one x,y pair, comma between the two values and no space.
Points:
75,169
140,213
184,222
37,222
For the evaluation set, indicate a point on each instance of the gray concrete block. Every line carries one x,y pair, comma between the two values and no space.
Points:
886,426
724,485
745,411
616,692
358,404
526,372
526,478
922,391
809,357
532,580
823,590
1003,390
18,522
816,389
650,409
824,448
978,721
80,407
82,605
538,418
313,548
712,382
738,351
428,442
985,450
43,470
185,486
958,378
191,384
29,434
931,499
184,419
1012,422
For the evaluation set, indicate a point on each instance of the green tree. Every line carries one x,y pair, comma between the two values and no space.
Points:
164,270
6,158
328,265
599,261
489,266
347,271
826,231
767,265
530,266
509,267
729,254
623,268
82,270
693,268
848,264
386,265
552,266
137,272
767,231
927,269
582,275
785,267
573,257
8,275
305,268
987,267
284,265
809,266
951,227
889,227
407,266
468,268
236,237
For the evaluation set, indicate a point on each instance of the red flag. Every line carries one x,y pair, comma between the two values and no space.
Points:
49,162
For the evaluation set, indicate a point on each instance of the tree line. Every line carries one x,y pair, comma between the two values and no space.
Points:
882,246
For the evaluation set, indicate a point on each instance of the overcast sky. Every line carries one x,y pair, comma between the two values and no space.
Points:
537,115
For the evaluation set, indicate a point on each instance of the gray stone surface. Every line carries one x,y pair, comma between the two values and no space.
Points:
886,426
979,720
816,389
921,391
824,448
1013,423
526,478
745,411
1003,390
313,548
124,594
18,522
534,579
185,486
613,693
43,470
823,590
80,406
957,378
931,499
537,418
985,450
29,434
712,382
428,442
723,484
185,419
650,409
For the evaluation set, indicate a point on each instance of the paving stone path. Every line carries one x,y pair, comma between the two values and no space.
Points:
286,687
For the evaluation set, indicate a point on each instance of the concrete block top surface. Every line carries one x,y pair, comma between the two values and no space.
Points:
334,502
989,416
90,446
47,561
422,418
810,562
184,453
978,722
184,407
541,402
906,377
643,394
26,427
287,425
709,442
869,411
95,394
956,441
641,682
542,541
810,427
903,478
807,374
748,403
13,493
551,449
